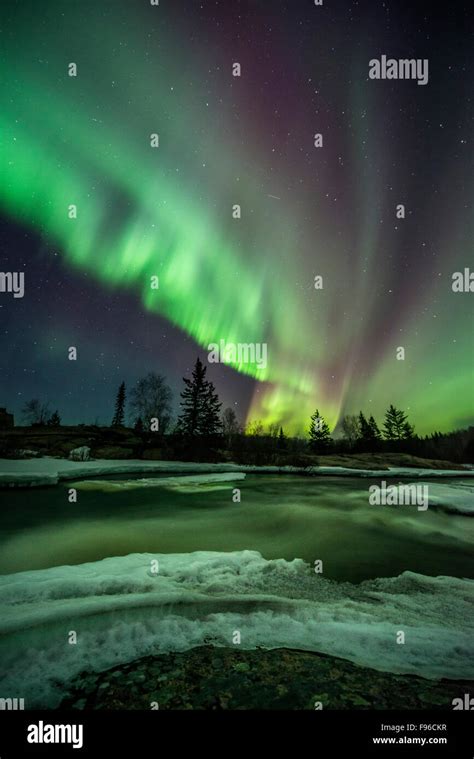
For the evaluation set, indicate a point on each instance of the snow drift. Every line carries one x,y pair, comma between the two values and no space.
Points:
127,607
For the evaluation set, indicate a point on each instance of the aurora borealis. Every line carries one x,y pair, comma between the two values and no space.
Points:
247,140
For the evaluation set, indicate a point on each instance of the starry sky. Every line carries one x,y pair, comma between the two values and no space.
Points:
248,140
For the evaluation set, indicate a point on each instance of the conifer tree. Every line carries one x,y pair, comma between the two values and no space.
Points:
200,405
117,421
54,420
396,425
319,433
375,433
281,439
210,423
364,428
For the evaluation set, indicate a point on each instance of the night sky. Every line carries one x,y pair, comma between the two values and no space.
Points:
247,140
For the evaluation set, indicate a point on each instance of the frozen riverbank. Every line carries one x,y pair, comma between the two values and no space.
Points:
49,471
128,607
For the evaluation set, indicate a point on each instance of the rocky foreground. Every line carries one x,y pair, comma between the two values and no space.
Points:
229,678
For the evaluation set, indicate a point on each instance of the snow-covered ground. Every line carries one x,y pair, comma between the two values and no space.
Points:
456,497
49,471
126,607
188,482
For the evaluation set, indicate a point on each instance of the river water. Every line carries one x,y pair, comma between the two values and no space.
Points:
323,518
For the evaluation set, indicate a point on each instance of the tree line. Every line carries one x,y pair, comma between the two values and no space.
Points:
358,430
148,408
38,414
150,405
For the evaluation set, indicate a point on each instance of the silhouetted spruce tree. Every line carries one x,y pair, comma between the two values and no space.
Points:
364,429
54,420
396,426
281,439
211,423
408,431
200,405
319,434
117,421
374,430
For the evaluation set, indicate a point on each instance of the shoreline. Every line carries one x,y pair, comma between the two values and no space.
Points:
49,471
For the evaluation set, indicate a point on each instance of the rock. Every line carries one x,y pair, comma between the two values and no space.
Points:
227,678
80,454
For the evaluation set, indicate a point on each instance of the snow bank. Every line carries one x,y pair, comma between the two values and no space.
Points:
188,483
456,497
49,471
126,607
